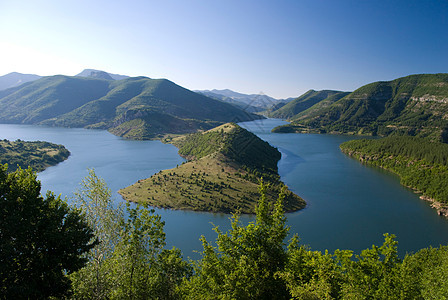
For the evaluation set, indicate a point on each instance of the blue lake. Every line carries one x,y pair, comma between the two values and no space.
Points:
350,206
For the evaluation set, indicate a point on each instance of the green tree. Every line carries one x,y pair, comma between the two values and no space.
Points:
130,261
247,259
94,198
42,239
142,268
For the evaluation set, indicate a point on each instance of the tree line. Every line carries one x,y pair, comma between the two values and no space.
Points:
97,250
420,163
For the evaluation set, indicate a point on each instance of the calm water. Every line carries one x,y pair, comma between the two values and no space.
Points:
350,205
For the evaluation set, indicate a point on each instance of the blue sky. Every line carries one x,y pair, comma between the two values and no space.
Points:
279,48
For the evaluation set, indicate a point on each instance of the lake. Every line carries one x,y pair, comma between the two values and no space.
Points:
350,205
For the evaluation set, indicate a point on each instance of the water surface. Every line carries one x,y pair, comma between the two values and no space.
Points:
350,206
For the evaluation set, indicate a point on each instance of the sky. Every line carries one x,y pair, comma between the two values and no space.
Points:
278,48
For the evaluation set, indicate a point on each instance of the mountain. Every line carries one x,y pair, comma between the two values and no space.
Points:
15,79
222,174
137,107
303,102
411,105
259,101
101,74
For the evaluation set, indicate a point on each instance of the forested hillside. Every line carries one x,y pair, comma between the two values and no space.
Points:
412,105
421,164
291,109
222,175
138,107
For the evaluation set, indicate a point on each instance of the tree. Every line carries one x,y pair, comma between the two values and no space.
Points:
94,199
247,259
42,239
130,261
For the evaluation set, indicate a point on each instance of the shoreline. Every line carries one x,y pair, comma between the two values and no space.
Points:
441,209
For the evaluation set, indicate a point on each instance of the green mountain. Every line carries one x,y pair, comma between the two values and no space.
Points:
222,174
412,105
138,107
304,102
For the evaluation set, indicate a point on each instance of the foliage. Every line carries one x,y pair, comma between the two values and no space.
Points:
42,239
245,262
130,261
421,164
37,155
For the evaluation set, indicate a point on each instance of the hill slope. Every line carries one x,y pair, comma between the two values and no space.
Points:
137,107
412,105
225,164
305,101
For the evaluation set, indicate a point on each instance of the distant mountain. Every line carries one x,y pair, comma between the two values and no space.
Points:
101,74
138,107
259,101
292,108
412,105
15,79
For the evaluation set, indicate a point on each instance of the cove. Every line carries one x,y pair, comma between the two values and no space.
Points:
350,206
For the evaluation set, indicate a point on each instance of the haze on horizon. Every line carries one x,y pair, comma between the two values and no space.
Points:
280,48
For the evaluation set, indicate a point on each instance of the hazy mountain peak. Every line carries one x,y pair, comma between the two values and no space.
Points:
14,79
101,74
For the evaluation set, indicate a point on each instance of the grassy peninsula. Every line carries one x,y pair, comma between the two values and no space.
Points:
222,174
37,155
421,164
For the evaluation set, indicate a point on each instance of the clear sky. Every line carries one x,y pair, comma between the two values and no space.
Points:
279,48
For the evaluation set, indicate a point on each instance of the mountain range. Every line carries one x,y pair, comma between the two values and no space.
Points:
134,107
411,105
249,102
15,79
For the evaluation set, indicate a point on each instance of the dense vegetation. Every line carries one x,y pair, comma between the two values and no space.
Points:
37,155
420,163
252,261
415,105
138,107
304,102
222,175
42,239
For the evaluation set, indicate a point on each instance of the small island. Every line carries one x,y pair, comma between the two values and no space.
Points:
222,174
38,155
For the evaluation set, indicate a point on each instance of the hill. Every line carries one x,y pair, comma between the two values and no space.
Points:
37,155
138,107
15,79
412,105
222,174
305,101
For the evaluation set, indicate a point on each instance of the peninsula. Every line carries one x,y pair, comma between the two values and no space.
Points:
221,175
37,155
